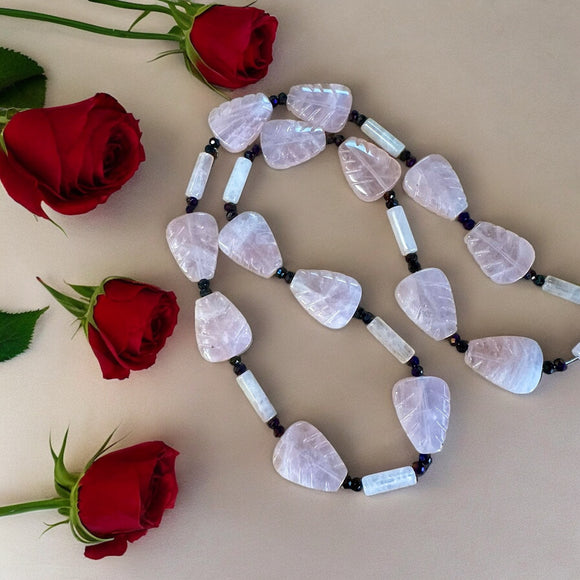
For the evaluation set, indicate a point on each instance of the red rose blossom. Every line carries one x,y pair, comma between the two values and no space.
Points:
126,322
123,494
234,44
71,157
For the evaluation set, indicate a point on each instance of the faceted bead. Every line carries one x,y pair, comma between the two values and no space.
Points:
433,184
193,241
513,363
427,299
237,180
321,105
256,396
562,289
249,242
330,298
402,230
382,137
286,143
422,405
388,480
304,456
221,330
400,349
368,169
238,122
199,176
502,255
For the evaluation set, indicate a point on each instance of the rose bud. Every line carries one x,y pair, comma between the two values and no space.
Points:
126,322
116,499
71,157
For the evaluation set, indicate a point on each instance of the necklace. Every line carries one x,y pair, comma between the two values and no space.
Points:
303,455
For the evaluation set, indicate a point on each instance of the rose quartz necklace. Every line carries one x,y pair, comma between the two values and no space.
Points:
303,455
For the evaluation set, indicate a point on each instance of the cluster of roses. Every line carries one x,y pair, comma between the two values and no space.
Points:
72,158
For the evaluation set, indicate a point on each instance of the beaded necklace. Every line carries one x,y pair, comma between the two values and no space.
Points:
303,455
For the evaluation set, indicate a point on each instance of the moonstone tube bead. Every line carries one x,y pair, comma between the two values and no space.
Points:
199,176
382,137
256,396
576,350
562,289
237,180
402,230
401,350
389,480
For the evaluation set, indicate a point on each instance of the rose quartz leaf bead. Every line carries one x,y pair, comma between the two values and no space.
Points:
502,255
321,105
432,183
304,456
249,242
427,299
330,298
237,123
221,330
193,241
369,170
422,406
286,143
513,363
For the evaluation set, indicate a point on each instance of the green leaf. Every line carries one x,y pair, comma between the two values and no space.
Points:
22,81
16,330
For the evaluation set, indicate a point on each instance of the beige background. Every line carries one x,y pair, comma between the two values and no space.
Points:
492,86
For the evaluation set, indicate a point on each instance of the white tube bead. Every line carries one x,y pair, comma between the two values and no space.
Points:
402,230
237,180
400,349
576,350
199,176
256,396
562,289
389,480
382,137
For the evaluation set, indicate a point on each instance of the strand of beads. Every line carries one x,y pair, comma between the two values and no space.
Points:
303,455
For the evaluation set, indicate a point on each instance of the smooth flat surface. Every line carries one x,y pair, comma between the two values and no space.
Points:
493,87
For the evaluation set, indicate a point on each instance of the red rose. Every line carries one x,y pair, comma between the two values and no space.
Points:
131,324
234,44
126,322
71,157
123,494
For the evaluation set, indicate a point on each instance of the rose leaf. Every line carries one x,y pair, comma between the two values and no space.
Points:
16,330
22,81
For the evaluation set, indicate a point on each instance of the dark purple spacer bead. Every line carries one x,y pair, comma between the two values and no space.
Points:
548,367
469,224
405,154
530,275
235,360
414,267
463,217
279,431
411,161
356,484
417,371
240,368
231,215
411,258
289,276
361,119
453,339
214,142
338,140
256,150
229,206
389,195
329,138
249,155
462,346
419,468
368,317
538,279
359,313
282,98
560,365
281,272
274,100
425,458
353,116
211,150
413,361
391,203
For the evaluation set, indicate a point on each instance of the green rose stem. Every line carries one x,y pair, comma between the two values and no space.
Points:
28,15
54,503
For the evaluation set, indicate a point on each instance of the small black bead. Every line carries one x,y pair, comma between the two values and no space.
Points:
411,258
453,339
405,155
280,272
273,422
231,215
530,275
359,313
214,142
462,346
361,120
211,150
389,195
274,100
289,276
411,161
425,458
240,368
282,98
413,361
353,116
417,371
338,140
206,292
419,468
191,204
235,360
368,317
560,365
414,267
256,150
329,138
463,217
347,482
229,206
469,224
539,279
279,431
356,484
548,367
392,203
203,284
249,155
